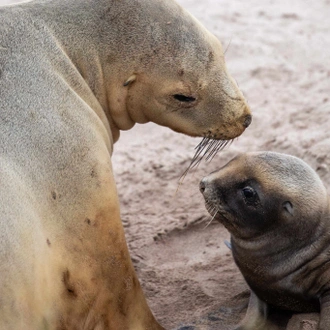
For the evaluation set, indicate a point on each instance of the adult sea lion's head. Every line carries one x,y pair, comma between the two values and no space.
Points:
173,73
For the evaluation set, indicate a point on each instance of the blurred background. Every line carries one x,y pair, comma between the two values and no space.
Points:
278,52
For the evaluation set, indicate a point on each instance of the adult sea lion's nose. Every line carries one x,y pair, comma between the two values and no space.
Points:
247,121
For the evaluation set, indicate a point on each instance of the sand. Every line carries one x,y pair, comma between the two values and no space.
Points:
278,51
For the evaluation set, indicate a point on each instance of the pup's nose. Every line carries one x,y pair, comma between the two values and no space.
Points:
247,121
202,186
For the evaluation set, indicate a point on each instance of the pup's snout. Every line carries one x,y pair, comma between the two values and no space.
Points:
202,185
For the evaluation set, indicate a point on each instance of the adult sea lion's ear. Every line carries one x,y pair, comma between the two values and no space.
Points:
288,207
131,79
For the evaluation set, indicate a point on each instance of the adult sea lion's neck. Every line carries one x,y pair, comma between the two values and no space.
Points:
81,30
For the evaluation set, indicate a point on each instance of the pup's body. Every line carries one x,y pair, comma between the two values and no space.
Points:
277,211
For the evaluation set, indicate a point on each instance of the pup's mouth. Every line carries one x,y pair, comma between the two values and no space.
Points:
219,213
217,210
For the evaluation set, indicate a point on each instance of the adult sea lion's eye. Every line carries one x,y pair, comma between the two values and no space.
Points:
184,98
249,194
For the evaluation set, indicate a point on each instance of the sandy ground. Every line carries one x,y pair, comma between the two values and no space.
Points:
278,51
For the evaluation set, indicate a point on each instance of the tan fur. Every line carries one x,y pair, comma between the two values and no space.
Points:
72,75
281,238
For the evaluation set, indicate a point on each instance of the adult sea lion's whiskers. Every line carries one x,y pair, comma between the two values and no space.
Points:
196,158
206,149
199,150
212,147
219,146
224,53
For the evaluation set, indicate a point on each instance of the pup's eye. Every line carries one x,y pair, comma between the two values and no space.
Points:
184,98
250,195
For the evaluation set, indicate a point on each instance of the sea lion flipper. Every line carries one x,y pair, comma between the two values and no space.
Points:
256,315
325,311
228,244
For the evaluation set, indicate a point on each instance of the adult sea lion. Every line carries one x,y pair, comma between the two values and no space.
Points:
72,75
277,212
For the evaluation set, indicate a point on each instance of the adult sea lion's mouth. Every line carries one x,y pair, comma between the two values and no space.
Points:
215,141
212,143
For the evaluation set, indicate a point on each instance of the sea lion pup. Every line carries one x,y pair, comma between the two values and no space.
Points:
277,212
72,75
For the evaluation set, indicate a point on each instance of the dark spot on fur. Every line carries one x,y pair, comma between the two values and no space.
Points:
68,285
93,173
48,242
135,282
122,306
61,325
54,195
181,72
33,115
111,58
88,221
105,13
211,56
106,323
210,59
